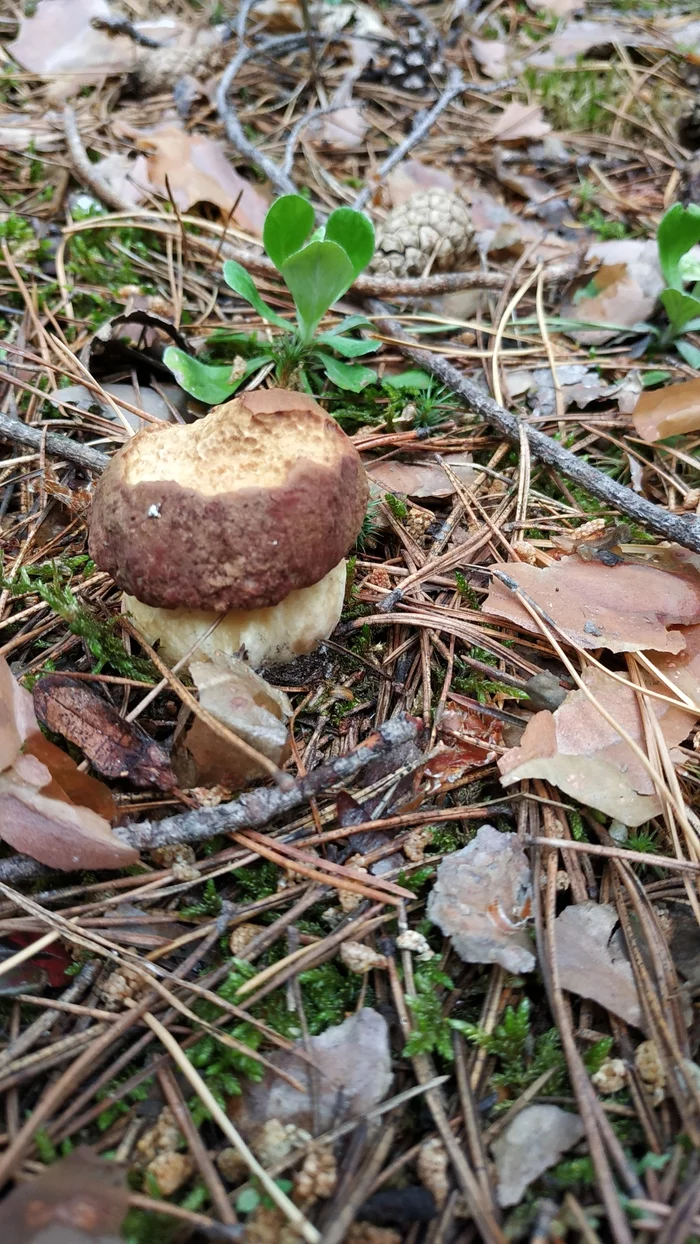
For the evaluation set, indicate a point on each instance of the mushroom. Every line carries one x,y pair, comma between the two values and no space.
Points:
245,515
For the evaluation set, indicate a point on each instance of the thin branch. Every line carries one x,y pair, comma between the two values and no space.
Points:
84,171
454,86
54,443
684,529
259,807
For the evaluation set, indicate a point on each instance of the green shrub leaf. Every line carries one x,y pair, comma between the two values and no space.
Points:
316,277
414,378
288,224
690,353
355,233
681,308
207,382
241,283
346,375
678,231
349,347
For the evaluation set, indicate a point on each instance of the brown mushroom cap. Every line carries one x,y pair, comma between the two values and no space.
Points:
263,496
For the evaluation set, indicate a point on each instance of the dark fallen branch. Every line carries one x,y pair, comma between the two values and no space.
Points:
259,807
683,529
54,443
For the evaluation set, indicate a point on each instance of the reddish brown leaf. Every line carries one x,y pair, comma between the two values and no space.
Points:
577,750
78,1199
669,411
626,608
67,781
52,831
115,747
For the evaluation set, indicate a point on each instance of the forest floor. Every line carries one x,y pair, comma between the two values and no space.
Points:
437,982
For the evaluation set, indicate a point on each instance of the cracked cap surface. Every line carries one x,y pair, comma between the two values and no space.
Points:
263,496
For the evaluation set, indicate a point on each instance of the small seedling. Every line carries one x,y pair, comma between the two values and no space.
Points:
318,266
678,233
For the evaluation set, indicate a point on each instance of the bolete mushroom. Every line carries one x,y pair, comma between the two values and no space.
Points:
247,513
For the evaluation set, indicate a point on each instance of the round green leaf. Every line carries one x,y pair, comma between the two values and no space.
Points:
204,381
242,283
316,277
287,226
355,233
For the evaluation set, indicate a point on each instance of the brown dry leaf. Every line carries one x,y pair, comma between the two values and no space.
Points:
668,412
79,1199
411,176
518,122
482,900
422,479
59,38
468,742
494,57
256,711
498,230
626,608
575,39
125,177
115,747
577,750
592,962
198,171
530,1144
622,292
352,1073
67,781
343,129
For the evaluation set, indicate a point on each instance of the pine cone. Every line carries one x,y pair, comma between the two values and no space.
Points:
411,65
411,233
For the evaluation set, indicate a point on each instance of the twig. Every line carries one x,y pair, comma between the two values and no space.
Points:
234,130
454,86
258,807
296,129
87,173
54,443
684,529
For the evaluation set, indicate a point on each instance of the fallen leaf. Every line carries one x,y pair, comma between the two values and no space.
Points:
482,900
425,479
581,753
115,747
518,122
37,815
533,1142
468,740
73,1201
351,1073
343,129
126,177
51,963
559,8
411,176
592,962
579,385
59,38
621,293
574,39
626,608
255,710
497,229
198,171
146,399
668,412
494,57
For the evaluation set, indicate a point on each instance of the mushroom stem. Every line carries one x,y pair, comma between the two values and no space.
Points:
268,636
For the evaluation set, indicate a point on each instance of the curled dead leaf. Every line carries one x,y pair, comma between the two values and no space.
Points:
519,122
668,412
79,1199
482,901
591,959
115,747
621,292
578,751
422,479
626,608
253,709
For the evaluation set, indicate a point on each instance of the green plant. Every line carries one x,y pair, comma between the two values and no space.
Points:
432,1032
678,233
318,266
